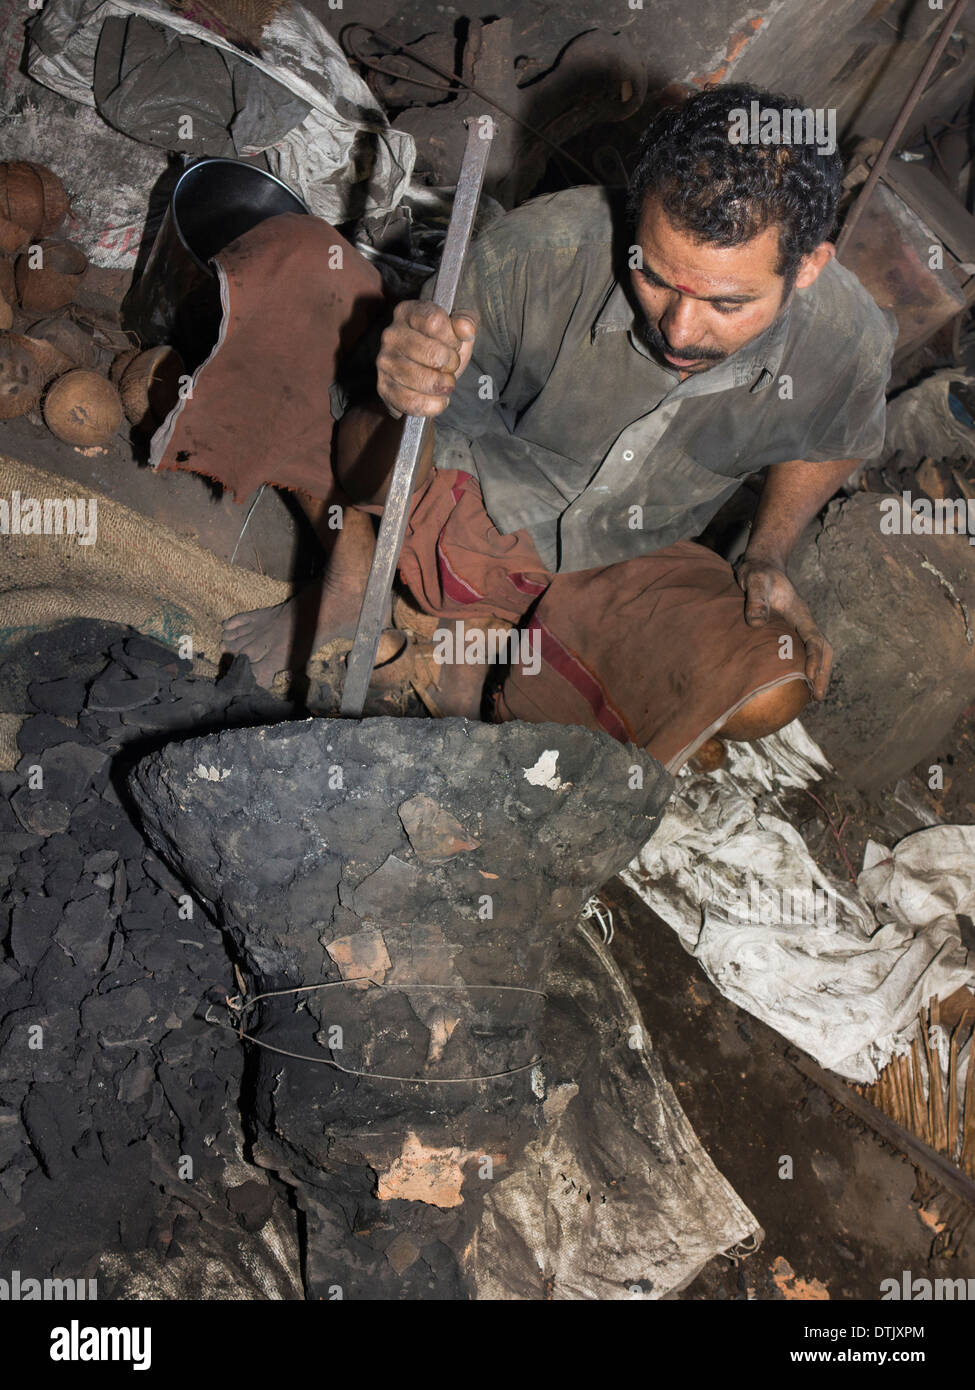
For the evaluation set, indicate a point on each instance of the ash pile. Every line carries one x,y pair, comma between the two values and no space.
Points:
120,1140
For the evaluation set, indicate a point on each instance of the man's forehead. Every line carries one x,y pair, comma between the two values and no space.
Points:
701,268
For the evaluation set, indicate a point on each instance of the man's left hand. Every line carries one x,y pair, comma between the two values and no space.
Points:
769,590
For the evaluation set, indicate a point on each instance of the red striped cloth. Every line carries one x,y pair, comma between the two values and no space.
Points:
654,651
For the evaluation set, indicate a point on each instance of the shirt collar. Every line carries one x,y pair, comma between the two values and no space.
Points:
755,365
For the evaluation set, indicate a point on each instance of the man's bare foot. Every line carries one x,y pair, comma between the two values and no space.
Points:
460,690
283,638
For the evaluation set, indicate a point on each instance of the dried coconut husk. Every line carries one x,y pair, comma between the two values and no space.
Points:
149,387
83,408
117,370
21,379
70,338
32,196
51,362
52,284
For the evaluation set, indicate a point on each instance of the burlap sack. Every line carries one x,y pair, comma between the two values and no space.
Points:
135,572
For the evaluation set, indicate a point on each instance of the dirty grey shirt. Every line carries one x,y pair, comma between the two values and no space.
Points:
575,432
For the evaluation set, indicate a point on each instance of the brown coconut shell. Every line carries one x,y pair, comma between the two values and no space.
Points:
105,330
50,361
52,284
83,408
32,196
54,199
70,338
25,195
149,387
8,283
117,370
21,380
13,238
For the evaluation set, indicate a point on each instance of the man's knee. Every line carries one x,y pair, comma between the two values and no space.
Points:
767,711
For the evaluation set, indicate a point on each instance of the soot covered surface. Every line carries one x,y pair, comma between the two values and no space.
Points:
120,1141
125,1108
396,890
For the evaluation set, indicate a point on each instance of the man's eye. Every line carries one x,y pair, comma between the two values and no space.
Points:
728,308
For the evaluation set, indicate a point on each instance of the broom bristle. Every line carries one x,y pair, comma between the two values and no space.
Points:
942,1120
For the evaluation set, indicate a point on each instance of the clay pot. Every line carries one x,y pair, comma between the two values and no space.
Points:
32,197
53,283
83,408
21,378
149,387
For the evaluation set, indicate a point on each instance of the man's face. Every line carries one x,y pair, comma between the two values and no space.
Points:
703,302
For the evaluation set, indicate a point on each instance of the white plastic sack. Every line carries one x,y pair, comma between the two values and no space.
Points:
344,159
108,176
727,873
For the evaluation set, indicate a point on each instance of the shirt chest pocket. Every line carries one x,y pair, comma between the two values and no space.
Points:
724,446
672,483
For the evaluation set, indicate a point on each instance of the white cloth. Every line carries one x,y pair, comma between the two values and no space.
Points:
841,972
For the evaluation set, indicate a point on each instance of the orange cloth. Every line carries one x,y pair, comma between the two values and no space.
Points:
654,651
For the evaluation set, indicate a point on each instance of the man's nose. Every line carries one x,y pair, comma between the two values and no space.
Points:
681,323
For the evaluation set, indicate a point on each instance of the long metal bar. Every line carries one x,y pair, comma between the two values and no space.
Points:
903,116
392,528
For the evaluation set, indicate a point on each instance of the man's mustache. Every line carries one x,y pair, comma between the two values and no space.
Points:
655,339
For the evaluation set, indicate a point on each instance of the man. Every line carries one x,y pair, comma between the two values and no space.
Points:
608,378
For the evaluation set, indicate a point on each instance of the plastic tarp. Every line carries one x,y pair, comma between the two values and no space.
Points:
840,971
226,106
615,1199
344,158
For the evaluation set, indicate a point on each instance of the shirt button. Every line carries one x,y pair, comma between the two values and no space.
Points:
627,455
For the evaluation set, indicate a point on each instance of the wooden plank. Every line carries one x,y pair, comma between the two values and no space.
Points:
936,206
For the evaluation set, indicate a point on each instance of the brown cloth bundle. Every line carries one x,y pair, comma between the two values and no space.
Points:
297,299
654,651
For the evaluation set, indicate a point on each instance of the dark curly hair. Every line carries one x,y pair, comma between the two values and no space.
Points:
726,193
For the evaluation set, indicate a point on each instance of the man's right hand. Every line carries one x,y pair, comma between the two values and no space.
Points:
421,355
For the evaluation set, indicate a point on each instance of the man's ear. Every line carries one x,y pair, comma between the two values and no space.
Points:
811,265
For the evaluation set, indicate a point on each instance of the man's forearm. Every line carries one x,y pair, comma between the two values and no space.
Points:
792,495
366,442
